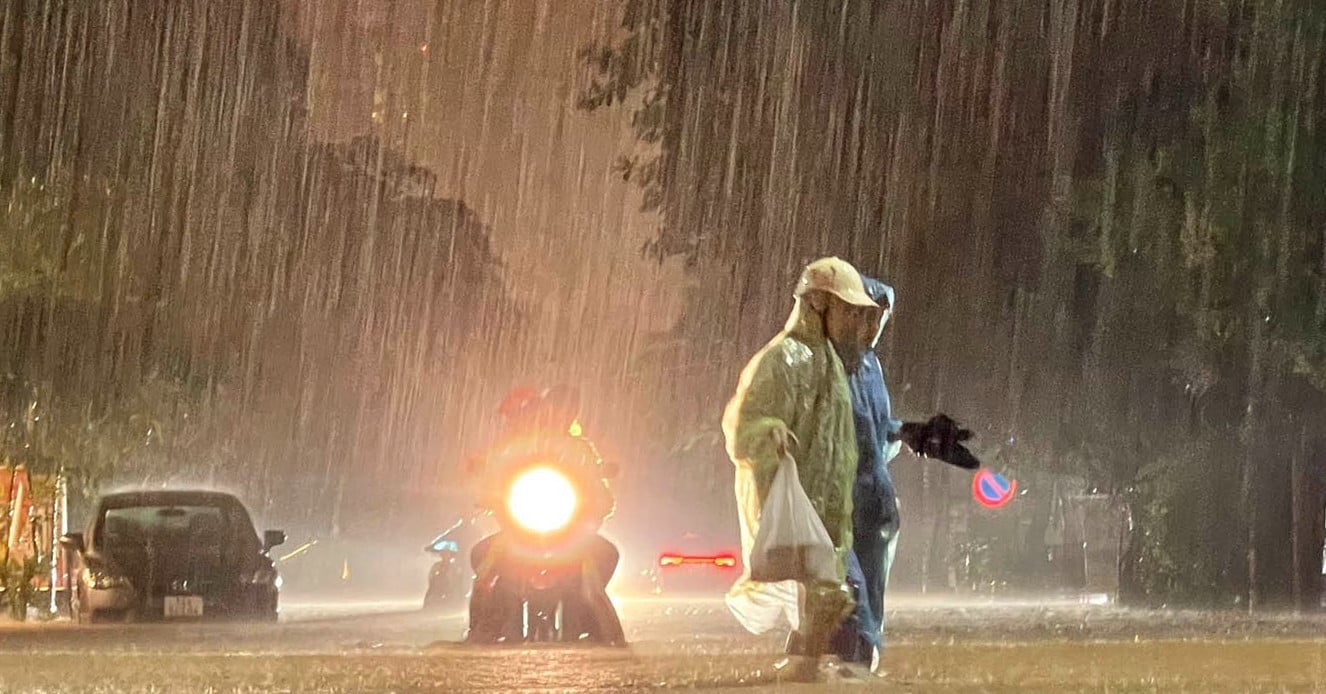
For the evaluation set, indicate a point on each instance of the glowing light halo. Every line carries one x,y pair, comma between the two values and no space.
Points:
542,500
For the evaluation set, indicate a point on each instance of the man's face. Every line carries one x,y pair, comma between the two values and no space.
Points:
851,328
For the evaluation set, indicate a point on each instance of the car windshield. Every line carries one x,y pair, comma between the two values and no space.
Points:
134,526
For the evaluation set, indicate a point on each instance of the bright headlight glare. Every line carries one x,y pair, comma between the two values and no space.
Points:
542,500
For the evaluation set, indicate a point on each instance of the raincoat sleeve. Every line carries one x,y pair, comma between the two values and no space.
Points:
602,498
764,412
892,443
482,470
483,464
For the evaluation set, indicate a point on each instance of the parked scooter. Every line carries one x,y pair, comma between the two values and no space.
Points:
450,578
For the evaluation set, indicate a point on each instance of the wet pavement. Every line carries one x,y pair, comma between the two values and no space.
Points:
934,646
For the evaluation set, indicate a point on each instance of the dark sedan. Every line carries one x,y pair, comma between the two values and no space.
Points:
173,555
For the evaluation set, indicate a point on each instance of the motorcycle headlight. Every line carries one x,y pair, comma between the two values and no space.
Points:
542,500
101,580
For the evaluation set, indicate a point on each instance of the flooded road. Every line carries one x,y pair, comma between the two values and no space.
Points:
933,647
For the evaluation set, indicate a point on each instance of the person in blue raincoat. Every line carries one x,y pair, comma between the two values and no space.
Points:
875,517
875,511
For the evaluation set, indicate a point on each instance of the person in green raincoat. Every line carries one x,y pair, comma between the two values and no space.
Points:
793,398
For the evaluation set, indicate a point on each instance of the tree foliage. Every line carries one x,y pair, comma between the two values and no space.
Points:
191,290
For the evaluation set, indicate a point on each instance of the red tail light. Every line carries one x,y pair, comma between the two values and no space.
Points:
723,561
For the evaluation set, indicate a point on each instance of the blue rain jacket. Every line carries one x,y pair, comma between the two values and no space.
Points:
875,503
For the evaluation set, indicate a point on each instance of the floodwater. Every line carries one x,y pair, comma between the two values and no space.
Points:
966,646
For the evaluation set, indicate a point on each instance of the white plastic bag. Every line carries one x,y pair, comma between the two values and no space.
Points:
763,607
791,544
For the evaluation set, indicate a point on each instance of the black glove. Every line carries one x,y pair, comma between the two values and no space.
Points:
940,438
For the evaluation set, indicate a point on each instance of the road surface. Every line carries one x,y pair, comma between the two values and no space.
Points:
985,647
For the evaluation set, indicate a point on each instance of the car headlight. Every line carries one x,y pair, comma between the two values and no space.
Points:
101,580
542,500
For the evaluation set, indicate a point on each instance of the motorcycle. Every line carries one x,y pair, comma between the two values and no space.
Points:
550,562
450,577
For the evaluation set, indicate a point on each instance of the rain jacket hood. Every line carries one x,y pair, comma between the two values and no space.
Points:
797,385
883,295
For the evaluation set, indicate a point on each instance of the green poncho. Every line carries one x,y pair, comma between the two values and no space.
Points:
795,384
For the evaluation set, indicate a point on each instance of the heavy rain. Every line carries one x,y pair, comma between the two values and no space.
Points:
282,280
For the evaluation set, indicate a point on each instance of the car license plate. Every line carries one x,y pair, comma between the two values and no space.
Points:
183,606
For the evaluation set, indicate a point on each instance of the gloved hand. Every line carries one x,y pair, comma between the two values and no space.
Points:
940,438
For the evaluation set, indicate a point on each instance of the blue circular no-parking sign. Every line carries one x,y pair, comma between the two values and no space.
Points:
992,489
